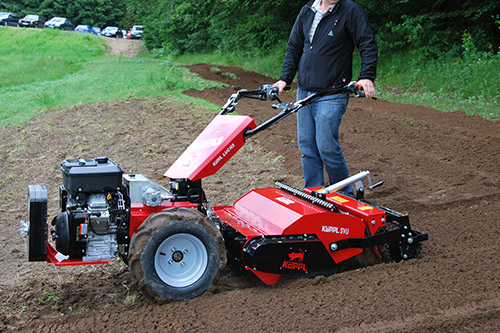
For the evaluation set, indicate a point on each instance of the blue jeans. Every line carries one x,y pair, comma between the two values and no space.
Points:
318,135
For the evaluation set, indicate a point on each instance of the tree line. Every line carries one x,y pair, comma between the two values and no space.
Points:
437,27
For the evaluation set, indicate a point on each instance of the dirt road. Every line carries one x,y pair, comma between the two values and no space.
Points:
440,168
123,47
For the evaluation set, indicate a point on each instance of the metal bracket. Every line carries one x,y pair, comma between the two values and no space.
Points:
355,179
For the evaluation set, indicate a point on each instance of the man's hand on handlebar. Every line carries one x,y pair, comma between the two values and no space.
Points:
281,85
368,87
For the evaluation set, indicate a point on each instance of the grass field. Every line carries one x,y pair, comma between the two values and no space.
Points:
41,69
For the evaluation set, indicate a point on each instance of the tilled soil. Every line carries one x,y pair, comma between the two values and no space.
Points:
440,168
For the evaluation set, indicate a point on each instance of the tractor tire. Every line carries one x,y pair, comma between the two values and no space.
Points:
176,254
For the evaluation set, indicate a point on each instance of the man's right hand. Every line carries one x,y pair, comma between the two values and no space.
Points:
281,86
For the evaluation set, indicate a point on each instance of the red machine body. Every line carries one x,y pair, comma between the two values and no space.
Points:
176,242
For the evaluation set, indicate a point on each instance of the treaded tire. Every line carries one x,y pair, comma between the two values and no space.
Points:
151,245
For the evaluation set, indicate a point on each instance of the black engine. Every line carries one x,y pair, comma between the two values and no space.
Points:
93,224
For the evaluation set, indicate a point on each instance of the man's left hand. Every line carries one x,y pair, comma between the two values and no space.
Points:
368,87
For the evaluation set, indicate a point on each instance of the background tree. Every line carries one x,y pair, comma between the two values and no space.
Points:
439,26
433,27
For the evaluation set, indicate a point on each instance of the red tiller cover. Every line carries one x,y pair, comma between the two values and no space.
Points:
270,211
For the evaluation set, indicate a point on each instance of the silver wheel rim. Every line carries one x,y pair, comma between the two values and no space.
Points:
181,260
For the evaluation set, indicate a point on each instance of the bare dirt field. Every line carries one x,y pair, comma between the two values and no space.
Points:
440,168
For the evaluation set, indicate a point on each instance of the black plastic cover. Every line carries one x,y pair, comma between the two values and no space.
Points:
91,175
37,214
289,255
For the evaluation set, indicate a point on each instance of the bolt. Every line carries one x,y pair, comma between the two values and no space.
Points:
403,235
185,251
410,240
24,228
383,220
373,222
334,247
170,262
182,264
405,227
405,256
172,249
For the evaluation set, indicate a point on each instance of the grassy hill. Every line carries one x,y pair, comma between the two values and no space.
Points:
41,69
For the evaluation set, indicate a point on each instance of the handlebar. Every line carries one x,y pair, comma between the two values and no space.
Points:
268,92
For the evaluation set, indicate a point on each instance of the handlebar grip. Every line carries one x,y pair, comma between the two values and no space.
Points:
358,91
272,92
268,92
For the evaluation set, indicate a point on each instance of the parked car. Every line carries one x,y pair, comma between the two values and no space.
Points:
112,32
97,30
33,21
85,29
9,19
135,32
59,23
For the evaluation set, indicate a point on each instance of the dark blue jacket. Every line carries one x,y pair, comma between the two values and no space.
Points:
327,61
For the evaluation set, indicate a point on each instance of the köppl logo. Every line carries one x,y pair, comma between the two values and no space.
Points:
295,261
296,256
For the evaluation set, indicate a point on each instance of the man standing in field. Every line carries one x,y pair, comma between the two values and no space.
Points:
320,48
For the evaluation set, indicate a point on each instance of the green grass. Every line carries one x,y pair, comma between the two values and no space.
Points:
447,84
77,71
269,63
31,55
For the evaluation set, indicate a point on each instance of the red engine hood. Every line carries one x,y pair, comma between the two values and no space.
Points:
218,142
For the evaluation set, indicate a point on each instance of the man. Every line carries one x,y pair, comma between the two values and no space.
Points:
320,48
